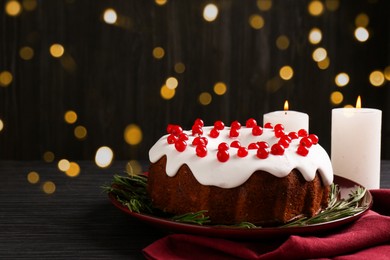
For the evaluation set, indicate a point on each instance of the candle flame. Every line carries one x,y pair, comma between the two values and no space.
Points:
358,102
286,105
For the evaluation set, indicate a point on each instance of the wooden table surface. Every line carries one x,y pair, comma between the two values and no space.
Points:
77,221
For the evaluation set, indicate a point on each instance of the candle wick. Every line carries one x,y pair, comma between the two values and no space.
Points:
285,112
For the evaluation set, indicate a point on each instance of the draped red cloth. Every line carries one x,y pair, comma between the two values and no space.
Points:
366,238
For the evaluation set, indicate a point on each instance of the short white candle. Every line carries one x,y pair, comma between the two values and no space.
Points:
356,145
292,121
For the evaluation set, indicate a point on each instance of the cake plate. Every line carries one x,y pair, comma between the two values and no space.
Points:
346,186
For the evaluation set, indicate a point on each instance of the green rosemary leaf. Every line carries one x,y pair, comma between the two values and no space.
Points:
195,218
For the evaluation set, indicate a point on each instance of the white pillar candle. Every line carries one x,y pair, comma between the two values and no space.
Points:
356,145
292,121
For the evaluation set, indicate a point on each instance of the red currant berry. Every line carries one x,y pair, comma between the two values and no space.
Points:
180,145
284,142
263,144
279,127
219,125
176,130
171,139
235,125
201,150
199,122
214,133
257,130
204,140
183,137
253,146
223,155
197,129
268,125
279,133
305,141
223,146
242,152
302,150
262,153
277,149
302,133
234,132
251,122
293,135
314,138
235,144
169,128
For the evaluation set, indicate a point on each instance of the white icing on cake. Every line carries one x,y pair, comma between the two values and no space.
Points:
236,170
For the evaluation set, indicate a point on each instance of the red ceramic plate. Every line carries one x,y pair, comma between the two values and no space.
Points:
345,185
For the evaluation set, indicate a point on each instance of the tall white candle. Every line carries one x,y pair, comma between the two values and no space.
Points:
292,121
356,145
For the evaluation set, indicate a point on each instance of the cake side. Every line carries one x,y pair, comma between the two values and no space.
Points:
263,199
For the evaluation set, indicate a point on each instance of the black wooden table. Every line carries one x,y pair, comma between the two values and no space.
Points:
77,221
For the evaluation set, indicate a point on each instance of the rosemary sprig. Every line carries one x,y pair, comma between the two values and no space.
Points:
193,218
131,192
337,208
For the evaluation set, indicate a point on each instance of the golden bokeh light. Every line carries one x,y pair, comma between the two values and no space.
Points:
33,177
220,88
332,5
26,53
68,63
70,117
1,125
133,167
315,36
80,132
167,93
110,16
180,68
74,170
13,8
362,20
377,78
348,106
160,2
171,83
361,34
386,72
104,156
264,5
282,42
29,5
256,21
133,134
205,98
319,54
341,79
5,78
336,97
273,84
210,12
49,187
286,72
315,8
158,53
48,156
63,165
56,50
324,64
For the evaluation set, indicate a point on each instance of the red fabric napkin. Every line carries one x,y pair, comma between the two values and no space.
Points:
366,238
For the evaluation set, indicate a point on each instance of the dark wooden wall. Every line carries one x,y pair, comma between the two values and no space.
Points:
110,78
